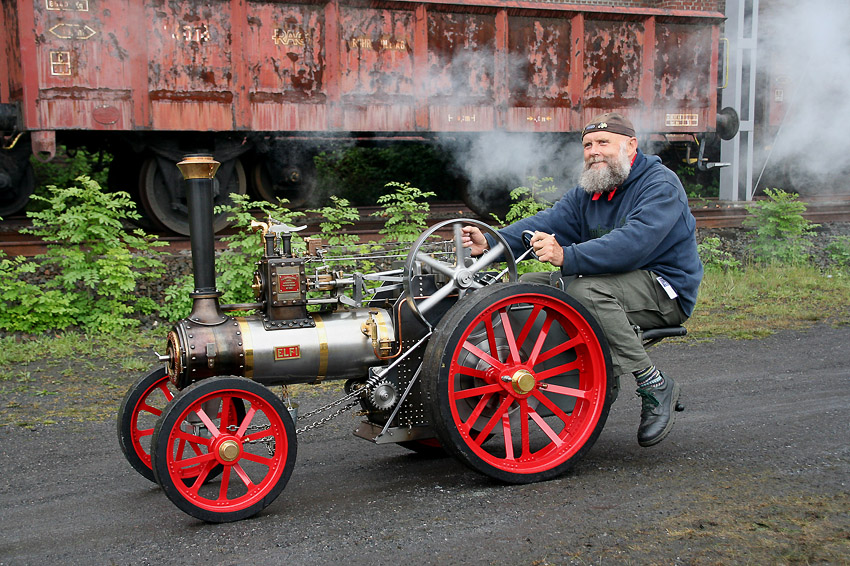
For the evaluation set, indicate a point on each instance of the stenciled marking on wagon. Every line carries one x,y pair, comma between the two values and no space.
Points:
72,31
199,33
67,5
385,43
289,37
60,63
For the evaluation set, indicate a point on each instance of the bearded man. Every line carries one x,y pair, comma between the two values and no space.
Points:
625,243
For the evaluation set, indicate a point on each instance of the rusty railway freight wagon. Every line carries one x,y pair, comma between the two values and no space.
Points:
255,82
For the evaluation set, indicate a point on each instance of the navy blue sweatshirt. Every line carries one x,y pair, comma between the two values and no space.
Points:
647,225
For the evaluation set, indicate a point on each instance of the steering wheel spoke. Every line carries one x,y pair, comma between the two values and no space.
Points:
454,273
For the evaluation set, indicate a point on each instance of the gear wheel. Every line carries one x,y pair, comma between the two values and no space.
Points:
384,396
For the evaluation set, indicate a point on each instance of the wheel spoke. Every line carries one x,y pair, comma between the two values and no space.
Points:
559,370
559,349
243,476
150,409
438,296
529,324
202,414
487,259
476,391
569,391
434,263
484,356
472,372
556,410
497,415
246,422
479,408
225,483
523,423
544,426
185,463
509,337
506,432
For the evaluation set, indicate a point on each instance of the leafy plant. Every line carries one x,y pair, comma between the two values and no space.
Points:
713,257
65,167
838,251
336,216
30,308
406,212
782,234
528,201
96,261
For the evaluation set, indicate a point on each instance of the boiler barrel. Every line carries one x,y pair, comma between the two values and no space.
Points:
335,348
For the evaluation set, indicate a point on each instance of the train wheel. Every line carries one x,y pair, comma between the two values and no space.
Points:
163,200
16,187
143,404
518,382
291,183
123,175
256,452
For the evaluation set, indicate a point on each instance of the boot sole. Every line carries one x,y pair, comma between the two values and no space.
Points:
673,402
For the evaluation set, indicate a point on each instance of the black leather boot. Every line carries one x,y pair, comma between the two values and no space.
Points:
658,410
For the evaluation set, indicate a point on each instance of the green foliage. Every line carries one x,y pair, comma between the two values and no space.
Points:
25,307
528,201
525,202
838,251
713,257
360,174
782,234
406,212
94,259
340,214
699,184
64,169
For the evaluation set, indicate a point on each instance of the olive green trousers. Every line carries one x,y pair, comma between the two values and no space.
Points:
619,302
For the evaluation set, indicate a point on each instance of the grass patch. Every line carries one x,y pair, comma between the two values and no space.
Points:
760,299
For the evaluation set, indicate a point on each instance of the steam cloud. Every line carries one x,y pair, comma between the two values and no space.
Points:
809,43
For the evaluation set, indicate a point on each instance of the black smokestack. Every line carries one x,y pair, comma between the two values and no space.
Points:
198,178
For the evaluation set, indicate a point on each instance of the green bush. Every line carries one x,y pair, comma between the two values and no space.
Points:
838,251
361,174
336,216
65,167
782,235
94,260
713,257
405,211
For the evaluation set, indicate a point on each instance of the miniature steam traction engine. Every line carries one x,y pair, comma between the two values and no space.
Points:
447,353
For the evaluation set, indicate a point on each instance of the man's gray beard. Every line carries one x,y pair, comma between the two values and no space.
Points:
603,179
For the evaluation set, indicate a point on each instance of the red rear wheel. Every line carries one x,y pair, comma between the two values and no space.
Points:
518,381
256,452
142,406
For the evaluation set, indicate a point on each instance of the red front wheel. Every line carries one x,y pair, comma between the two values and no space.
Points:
255,452
518,381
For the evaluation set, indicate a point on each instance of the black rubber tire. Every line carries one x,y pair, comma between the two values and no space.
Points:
467,392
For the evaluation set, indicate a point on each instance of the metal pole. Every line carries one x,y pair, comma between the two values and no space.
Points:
736,181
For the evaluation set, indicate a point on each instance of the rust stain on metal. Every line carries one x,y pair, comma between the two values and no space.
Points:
612,62
539,64
461,57
683,63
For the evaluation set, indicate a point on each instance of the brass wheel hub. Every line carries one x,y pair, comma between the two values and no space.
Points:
522,381
229,450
